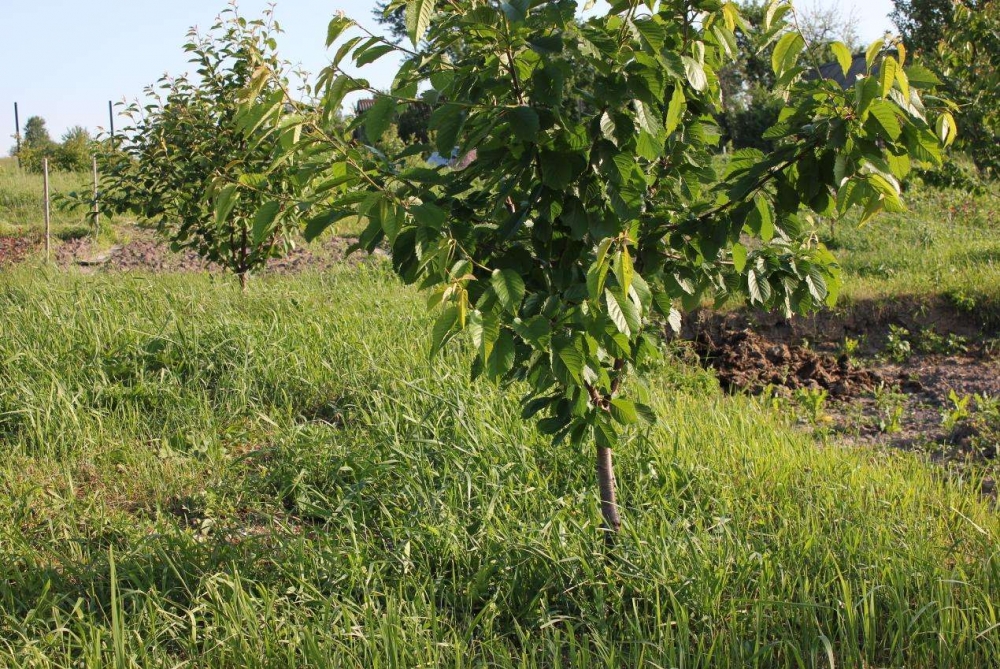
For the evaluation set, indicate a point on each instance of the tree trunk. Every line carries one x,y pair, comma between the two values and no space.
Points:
609,501
244,279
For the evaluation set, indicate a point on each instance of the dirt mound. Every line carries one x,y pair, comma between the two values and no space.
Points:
745,361
925,379
14,249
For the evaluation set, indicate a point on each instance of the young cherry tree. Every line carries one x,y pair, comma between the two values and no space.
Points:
569,239
188,163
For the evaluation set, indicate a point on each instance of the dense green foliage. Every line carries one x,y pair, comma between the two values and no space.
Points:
960,41
191,476
568,236
187,163
74,154
969,61
924,23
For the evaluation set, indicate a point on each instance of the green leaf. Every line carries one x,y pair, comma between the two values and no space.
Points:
447,121
676,109
623,314
624,269
596,277
225,203
535,330
379,117
509,288
764,218
429,215
695,72
754,287
444,329
608,128
624,412
617,315
674,320
946,128
873,51
887,74
739,257
317,224
418,19
648,146
502,358
336,28
886,117
516,11
646,119
373,54
605,435
263,219
570,355
921,77
524,123
786,52
843,55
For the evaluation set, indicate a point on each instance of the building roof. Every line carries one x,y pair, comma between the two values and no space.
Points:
858,69
364,105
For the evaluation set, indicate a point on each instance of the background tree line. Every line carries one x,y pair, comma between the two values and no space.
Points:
958,40
72,154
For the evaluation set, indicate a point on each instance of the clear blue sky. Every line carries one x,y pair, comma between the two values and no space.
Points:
64,59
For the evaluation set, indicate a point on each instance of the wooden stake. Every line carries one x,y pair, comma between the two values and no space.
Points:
48,220
17,134
97,208
111,118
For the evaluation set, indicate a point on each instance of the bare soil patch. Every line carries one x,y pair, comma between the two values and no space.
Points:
145,252
870,396
14,249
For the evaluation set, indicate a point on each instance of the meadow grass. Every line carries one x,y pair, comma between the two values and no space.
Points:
946,245
22,211
193,477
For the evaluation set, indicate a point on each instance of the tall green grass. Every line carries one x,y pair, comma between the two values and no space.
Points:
22,202
193,477
946,245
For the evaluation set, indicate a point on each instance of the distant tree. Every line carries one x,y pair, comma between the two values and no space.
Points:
35,133
968,61
392,15
36,145
413,122
189,164
76,151
922,23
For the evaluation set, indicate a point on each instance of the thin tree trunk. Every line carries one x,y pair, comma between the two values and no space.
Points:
609,501
244,279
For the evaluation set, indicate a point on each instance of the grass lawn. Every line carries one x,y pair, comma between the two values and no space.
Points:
946,245
193,477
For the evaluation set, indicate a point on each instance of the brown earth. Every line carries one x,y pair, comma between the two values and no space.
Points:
144,251
871,398
745,361
14,249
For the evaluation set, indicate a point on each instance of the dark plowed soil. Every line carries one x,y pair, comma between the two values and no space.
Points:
745,361
14,249
871,398
145,252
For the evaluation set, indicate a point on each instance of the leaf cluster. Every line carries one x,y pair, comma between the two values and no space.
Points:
567,241
189,162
